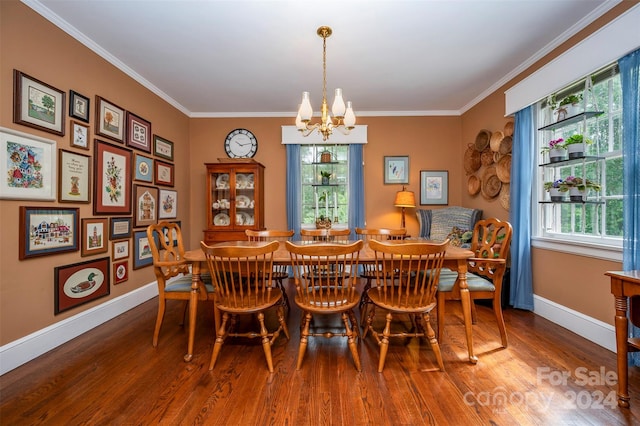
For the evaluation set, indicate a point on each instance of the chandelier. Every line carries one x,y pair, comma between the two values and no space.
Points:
343,119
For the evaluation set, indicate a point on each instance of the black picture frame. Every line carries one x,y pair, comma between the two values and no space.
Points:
80,283
79,106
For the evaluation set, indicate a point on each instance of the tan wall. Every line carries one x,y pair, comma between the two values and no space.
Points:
50,55
433,143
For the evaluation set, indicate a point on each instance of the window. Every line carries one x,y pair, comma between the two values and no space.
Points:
324,184
598,221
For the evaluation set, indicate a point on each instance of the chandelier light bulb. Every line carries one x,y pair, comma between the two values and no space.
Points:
349,117
338,107
305,108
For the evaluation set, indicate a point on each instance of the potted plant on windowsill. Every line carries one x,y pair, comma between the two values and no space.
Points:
323,222
579,187
555,148
576,145
325,177
569,106
557,189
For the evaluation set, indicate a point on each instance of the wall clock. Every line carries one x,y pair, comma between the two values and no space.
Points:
241,143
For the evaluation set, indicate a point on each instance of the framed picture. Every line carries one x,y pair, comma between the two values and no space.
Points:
120,249
396,170
120,271
112,188
80,283
146,209
173,236
162,148
119,227
27,166
74,177
78,106
109,120
37,104
138,133
143,168
168,204
79,135
434,187
163,173
46,231
94,236
142,256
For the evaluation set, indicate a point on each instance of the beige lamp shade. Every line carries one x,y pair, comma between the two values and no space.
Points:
405,199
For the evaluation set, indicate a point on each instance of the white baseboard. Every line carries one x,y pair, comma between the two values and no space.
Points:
23,350
591,329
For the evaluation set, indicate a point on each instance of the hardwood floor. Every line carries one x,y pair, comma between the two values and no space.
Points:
113,376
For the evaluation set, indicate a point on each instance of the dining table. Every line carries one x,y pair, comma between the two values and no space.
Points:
455,260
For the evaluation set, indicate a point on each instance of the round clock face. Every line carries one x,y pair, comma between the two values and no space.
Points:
241,143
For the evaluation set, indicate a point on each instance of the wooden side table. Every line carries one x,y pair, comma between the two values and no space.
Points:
625,284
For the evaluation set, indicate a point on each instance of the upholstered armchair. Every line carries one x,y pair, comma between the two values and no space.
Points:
439,224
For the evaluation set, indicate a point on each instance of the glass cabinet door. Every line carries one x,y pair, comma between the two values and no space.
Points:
244,199
221,199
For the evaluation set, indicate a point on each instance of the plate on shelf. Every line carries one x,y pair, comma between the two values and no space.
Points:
250,181
243,201
222,182
221,219
243,218
241,181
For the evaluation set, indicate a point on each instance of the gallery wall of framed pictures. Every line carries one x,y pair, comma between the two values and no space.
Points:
106,149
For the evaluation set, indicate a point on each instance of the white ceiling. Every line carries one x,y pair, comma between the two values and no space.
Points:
255,58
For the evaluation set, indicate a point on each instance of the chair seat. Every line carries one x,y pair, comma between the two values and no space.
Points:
330,302
409,305
183,284
474,282
245,305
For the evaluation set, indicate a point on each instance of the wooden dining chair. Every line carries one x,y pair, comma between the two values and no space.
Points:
172,271
406,283
280,272
490,244
325,234
369,270
325,276
242,278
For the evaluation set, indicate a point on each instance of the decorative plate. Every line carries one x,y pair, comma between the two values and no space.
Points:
241,181
222,182
243,201
221,219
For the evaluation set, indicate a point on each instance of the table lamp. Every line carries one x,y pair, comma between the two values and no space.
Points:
404,199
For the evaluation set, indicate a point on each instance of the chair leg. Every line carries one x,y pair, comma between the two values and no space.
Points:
266,344
354,323
367,324
384,344
281,320
364,301
352,340
184,312
497,309
156,332
285,298
222,334
304,337
474,313
440,315
431,334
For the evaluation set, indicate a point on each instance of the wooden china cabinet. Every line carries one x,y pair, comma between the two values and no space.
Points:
235,199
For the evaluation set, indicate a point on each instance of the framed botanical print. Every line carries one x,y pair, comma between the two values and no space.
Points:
27,166
162,148
112,188
434,187
95,232
146,207
120,271
45,231
74,177
79,135
80,283
163,173
78,106
396,170
143,171
37,104
168,205
138,133
109,120
142,255
119,227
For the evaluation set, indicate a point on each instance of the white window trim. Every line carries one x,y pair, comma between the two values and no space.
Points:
580,248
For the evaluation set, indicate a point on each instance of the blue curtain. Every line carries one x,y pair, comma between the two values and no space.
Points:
294,177
356,188
630,80
522,167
